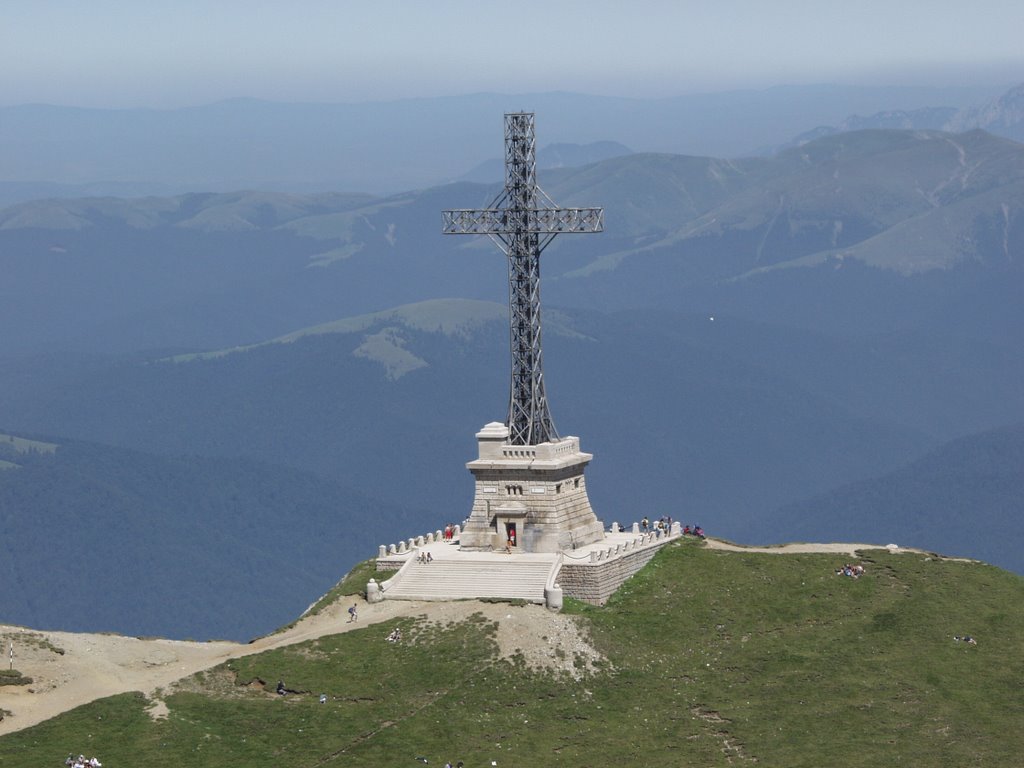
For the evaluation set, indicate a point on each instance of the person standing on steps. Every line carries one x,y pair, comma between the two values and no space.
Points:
352,615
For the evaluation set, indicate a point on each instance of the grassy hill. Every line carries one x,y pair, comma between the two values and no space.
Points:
709,658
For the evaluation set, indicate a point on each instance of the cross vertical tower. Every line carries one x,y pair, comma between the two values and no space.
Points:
522,220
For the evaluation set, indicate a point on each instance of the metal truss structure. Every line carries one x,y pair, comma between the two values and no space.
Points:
523,221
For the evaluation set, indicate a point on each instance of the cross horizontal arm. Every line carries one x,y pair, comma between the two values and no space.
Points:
497,221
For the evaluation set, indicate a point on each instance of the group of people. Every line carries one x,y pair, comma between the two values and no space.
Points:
696,530
966,639
449,532
424,557
663,523
395,636
853,571
81,762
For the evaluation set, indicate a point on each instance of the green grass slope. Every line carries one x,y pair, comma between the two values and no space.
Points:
712,658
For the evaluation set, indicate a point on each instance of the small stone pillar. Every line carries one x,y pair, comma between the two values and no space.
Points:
373,593
593,556
402,549
636,527
616,528
382,551
438,535
676,528
410,543
418,541
392,549
553,597
458,530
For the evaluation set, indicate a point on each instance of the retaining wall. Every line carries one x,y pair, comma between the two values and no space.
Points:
596,582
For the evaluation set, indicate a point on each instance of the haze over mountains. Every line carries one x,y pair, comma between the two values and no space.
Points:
389,147
781,342
1002,115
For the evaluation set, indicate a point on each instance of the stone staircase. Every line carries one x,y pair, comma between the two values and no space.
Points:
507,577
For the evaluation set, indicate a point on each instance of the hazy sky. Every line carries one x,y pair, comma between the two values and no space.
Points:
168,53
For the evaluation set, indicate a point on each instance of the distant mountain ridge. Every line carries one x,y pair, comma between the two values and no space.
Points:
230,211
549,157
1001,116
905,201
387,147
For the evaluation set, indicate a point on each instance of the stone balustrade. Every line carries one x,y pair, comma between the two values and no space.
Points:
391,556
591,576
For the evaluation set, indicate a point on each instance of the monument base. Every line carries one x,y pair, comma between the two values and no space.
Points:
529,498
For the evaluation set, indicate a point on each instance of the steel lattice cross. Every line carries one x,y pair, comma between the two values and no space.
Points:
522,221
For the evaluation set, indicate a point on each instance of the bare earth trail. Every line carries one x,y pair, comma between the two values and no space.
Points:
97,665
793,549
93,666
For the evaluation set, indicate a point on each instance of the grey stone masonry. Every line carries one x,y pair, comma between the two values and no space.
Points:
591,574
536,491
595,582
390,557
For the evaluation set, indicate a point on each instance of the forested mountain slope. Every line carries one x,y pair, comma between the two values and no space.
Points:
95,538
963,497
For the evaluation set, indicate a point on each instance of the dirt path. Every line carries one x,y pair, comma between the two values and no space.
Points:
836,548
70,669
784,549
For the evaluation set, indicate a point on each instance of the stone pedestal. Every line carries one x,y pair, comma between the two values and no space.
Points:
536,491
373,594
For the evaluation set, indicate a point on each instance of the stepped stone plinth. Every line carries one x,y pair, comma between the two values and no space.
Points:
532,496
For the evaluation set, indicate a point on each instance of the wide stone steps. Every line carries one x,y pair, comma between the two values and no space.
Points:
507,578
